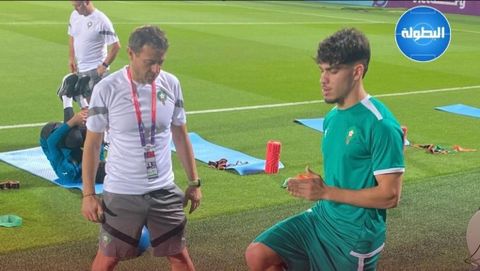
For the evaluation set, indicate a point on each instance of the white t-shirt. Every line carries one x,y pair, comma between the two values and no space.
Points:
91,36
111,107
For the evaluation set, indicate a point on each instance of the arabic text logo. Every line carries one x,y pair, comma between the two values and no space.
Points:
422,33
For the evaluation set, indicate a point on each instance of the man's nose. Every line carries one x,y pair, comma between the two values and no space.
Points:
323,79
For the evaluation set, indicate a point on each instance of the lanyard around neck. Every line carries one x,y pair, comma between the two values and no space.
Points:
136,105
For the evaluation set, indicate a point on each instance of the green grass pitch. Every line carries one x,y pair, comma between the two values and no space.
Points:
235,55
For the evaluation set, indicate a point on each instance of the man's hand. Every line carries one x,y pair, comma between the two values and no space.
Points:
308,185
193,194
79,118
92,209
72,65
101,70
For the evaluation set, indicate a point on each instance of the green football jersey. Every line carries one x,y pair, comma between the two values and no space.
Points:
358,143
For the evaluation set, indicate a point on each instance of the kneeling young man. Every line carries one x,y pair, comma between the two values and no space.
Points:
362,151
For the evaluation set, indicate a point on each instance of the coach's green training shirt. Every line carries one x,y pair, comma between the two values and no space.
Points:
358,143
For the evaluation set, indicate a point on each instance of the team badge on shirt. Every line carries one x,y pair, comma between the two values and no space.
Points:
162,96
350,134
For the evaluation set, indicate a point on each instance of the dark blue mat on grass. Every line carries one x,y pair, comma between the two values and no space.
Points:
206,151
33,160
316,124
461,109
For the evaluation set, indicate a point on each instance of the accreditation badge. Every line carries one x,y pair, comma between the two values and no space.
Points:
150,162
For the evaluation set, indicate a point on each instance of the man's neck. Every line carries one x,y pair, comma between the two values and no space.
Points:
354,97
90,9
135,78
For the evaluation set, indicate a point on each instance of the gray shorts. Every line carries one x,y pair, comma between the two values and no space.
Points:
125,215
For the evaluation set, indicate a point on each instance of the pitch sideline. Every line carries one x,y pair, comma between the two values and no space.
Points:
219,110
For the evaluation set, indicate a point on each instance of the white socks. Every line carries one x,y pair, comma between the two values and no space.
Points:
68,102
81,101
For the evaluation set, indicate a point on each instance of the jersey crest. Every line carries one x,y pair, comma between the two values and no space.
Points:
352,133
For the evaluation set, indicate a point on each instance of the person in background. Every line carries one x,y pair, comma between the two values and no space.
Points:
63,148
93,44
62,143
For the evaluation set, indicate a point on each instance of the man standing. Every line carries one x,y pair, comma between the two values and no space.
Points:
91,32
142,106
363,165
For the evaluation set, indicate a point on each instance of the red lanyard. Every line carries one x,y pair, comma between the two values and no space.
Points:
136,104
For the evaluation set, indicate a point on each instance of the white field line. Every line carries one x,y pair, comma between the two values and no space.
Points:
220,23
321,101
193,23
294,13
467,31
219,110
348,19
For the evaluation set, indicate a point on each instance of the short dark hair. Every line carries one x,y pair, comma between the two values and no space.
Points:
147,35
346,46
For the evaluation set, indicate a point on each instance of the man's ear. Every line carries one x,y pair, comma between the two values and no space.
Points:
130,53
358,70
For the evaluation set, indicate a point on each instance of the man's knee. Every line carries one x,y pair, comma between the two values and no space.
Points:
260,257
181,261
104,263
177,259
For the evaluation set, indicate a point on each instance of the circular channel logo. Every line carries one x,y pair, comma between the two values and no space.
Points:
422,33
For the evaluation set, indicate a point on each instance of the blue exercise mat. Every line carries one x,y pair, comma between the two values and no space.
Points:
461,109
316,124
242,163
33,160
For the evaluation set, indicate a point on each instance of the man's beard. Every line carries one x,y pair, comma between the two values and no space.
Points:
331,101
338,100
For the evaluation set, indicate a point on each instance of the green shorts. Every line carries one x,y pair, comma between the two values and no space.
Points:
126,215
306,243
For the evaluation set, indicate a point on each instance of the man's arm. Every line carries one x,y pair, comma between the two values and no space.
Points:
91,208
72,64
383,196
185,153
113,50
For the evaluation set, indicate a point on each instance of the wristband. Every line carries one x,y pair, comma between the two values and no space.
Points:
105,65
89,195
195,183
